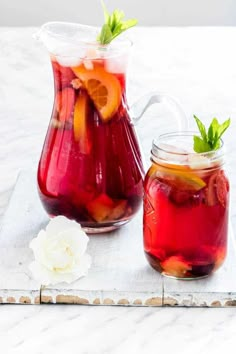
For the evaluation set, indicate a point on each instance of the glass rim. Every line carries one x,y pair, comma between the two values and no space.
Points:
120,45
161,137
164,155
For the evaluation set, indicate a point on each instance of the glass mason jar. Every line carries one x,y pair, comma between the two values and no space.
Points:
186,203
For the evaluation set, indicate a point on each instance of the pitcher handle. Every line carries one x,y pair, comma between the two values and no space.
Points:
139,107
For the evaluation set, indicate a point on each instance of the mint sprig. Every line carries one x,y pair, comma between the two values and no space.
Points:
114,25
209,140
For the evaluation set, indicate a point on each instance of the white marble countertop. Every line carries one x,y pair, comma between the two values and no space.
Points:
197,65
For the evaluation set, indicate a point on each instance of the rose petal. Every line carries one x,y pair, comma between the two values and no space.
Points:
60,223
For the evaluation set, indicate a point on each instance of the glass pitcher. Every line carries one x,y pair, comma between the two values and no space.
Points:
91,168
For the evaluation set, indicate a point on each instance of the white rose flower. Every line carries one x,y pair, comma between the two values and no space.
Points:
60,252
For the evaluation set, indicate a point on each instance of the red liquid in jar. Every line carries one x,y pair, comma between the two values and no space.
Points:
185,221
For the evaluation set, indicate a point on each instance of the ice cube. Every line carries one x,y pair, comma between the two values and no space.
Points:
92,53
68,55
116,65
198,161
68,61
173,153
88,64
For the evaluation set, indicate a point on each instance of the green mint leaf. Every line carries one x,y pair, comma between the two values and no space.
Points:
105,35
212,134
223,127
209,141
200,145
129,23
114,25
201,128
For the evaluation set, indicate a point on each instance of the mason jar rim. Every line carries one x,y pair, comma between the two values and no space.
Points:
164,154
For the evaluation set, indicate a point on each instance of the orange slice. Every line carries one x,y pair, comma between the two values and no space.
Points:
103,88
183,179
80,129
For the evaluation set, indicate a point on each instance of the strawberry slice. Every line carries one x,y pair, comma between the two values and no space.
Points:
217,190
222,188
211,197
65,100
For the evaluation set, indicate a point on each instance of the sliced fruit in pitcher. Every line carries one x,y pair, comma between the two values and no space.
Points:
103,208
80,116
118,210
100,207
62,75
103,88
64,103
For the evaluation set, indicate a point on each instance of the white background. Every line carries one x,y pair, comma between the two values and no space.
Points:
149,12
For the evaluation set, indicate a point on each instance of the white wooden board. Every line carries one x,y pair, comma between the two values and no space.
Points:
120,274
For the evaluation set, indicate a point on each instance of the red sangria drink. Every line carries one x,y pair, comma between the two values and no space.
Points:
90,168
185,209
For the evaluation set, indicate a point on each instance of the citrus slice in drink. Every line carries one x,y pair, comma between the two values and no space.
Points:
80,129
183,179
103,88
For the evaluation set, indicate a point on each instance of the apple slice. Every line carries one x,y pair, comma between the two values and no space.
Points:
175,266
100,207
103,208
80,128
65,100
119,210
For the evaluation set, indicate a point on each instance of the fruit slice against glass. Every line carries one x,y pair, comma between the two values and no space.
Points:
103,88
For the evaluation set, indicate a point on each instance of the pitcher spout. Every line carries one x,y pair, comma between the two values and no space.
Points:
55,34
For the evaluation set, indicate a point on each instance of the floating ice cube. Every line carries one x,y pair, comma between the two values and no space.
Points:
88,63
198,161
116,64
173,153
68,61
68,55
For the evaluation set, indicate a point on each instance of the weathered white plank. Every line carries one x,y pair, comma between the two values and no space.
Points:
119,274
16,283
18,228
